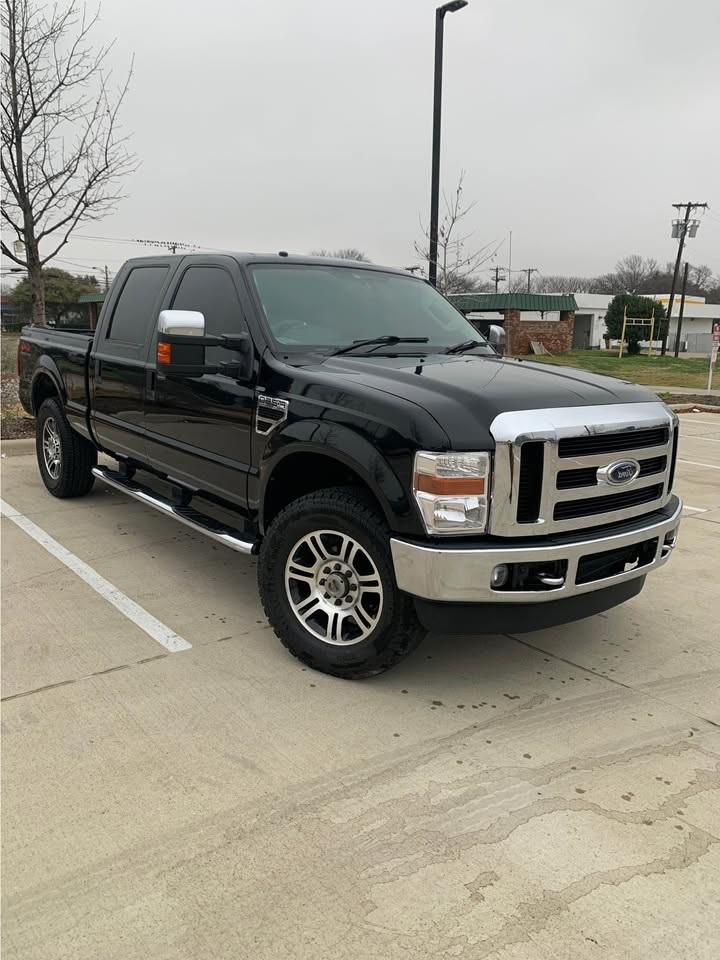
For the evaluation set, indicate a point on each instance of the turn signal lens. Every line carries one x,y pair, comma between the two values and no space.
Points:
457,486
163,353
451,491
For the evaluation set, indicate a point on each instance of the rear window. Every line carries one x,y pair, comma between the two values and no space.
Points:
133,314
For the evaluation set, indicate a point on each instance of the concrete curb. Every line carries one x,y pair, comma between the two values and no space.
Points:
693,407
18,448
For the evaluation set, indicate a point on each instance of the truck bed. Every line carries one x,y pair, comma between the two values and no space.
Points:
62,356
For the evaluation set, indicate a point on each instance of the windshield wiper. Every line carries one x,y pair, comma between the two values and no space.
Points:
377,342
465,345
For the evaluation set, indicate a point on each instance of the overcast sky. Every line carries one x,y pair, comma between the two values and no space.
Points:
279,124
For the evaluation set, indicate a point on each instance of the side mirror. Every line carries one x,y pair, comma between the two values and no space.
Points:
181,346
180,343
496,336
181,323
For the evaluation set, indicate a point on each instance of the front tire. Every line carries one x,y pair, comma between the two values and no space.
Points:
328,587
65,458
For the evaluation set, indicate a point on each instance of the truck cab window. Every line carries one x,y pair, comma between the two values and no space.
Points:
131,317
211,291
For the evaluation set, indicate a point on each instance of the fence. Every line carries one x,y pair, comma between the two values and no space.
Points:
691,342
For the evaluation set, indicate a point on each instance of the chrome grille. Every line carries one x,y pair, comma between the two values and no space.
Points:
632,439
589,506
587,476
547,461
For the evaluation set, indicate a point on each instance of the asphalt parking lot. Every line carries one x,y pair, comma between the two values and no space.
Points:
549,796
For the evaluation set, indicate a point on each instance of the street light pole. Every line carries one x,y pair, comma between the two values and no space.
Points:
437,111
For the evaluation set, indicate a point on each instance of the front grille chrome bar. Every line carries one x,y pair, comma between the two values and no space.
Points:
616,424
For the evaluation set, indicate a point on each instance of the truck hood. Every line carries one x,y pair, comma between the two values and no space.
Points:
465,394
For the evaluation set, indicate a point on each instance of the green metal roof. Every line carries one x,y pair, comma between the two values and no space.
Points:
470,302
92,298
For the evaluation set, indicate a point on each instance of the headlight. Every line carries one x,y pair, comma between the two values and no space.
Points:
452,491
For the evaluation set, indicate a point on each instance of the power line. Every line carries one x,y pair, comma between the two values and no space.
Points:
171,245
102,272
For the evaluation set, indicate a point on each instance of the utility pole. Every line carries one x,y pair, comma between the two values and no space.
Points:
107,279
682,309
529,271
510,264
498,279
680,229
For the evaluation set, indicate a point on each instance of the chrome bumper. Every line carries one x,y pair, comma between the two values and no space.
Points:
460,575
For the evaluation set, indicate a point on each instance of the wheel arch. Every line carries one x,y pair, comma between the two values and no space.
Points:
46,384
295,466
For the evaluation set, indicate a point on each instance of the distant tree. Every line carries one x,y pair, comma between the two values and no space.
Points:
559,283
632,274
712,293
62,293
458,262
63,155
702,277
471,284
701,282
639,308
342,253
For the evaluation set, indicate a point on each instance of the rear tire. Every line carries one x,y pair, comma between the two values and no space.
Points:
65,458
328,586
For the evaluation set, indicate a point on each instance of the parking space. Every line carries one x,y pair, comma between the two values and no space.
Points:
550,795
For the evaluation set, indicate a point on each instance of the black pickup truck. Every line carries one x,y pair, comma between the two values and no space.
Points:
345,422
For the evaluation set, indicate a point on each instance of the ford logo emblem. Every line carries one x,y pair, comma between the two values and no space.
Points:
622,471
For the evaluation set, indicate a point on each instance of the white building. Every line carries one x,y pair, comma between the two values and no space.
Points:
696,335
698,319
590,321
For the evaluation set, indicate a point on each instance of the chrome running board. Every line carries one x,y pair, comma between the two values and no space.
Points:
199,522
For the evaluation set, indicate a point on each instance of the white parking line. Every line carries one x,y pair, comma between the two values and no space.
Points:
704,423
695,509
697,463
689,436
159,632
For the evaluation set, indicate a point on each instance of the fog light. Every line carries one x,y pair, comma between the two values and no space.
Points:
499,576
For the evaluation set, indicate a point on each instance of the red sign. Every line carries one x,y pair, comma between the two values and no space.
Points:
716,333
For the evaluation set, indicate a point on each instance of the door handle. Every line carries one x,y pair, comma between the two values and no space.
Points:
98,370
150,383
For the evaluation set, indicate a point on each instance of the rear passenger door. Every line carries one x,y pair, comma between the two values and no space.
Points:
199,428
119,359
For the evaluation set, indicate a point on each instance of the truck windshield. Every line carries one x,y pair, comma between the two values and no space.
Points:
309,306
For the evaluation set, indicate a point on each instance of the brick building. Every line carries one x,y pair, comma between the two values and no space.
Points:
546,318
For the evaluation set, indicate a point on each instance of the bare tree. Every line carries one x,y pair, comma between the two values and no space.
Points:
703,277
63,154
342,253
458,262
632,274
559,283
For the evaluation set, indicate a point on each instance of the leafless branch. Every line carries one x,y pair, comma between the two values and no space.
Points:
458,262
63,151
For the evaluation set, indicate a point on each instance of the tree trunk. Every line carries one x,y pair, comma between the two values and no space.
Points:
37,287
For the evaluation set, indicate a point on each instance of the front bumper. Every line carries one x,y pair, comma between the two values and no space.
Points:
458,574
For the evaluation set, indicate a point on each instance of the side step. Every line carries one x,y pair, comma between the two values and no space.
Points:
199,522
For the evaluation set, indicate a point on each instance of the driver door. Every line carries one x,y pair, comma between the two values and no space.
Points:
199,429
